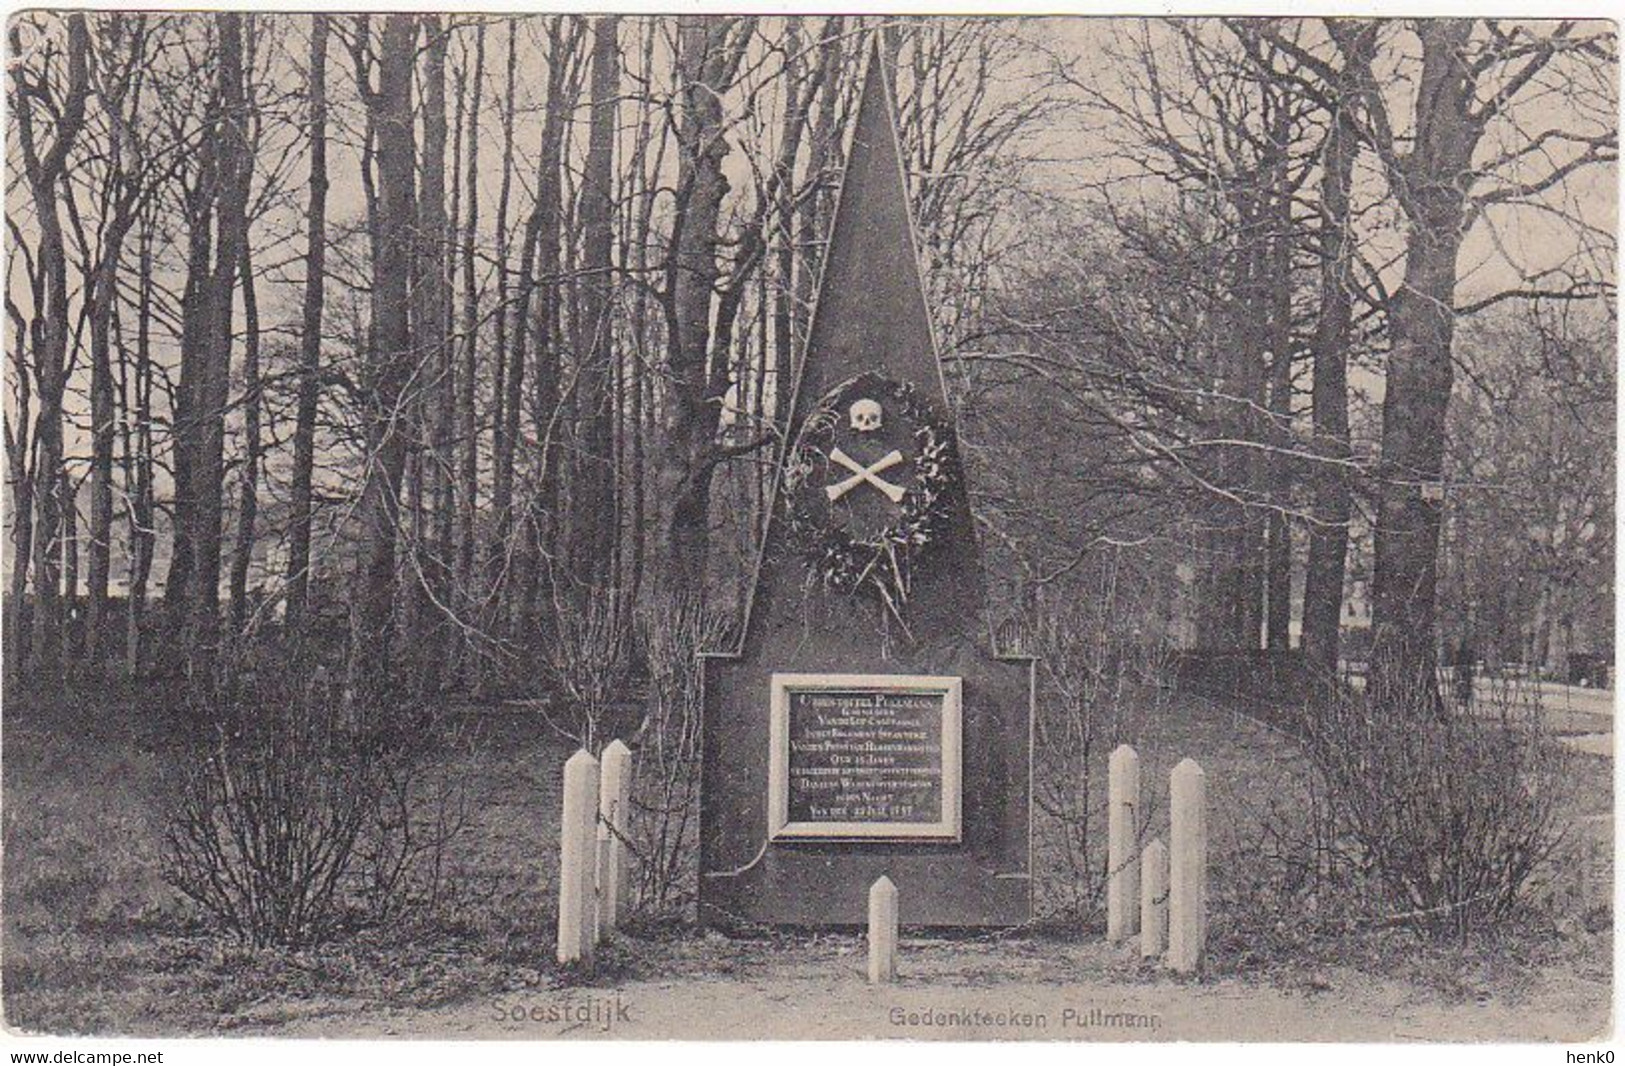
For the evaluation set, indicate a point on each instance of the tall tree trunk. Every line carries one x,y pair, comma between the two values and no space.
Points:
128,383
390,364
43,168
708,54
248,486
188,405
1252,521
511,408
1410,494
1231,589
143,534
104,420
440,222
540,279
639,381
310,338
124,191
433,228
20,482
70,556
760,475
242,556
432,469
502,452
469,468
1329,401
1281,466
593,482
207,473
784,333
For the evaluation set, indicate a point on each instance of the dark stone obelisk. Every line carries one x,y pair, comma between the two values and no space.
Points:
870,319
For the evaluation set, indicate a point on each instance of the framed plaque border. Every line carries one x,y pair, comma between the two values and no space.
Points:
947,829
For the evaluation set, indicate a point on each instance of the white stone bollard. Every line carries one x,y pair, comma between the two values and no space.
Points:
578,854
1154,900
1187,868
882,931
614,801
1122,845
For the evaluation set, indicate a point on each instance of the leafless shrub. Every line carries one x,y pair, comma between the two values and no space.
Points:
671,631
1098,684
1281,884
588,658
298,818
1450,818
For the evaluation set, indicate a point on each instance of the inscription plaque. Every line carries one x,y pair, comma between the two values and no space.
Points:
874,756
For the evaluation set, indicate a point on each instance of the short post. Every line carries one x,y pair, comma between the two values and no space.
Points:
1187,868
882,931
614,799
578,867
1122,847
1154,900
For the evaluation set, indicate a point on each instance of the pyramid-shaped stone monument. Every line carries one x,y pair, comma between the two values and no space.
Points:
864,726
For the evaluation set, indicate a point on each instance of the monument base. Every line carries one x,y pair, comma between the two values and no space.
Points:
750,875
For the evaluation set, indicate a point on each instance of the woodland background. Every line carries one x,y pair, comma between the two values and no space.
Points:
442,339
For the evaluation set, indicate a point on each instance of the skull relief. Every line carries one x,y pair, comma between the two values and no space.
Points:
866,416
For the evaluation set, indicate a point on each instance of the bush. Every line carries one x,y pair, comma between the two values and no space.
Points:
298,818
664,827
1450,818
1098,687
587,655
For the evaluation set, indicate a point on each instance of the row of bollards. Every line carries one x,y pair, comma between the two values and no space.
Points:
1160,892
592,850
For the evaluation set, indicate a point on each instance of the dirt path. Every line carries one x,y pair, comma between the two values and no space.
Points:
982,992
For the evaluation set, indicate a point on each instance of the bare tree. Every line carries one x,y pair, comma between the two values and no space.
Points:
1473,78
310,338
139,448
428,575
1203,110
1451,119
595,536
709,51
235,164
391,360
1329,521
120,68
468,424
43,167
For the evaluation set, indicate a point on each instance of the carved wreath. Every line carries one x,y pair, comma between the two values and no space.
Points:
877,563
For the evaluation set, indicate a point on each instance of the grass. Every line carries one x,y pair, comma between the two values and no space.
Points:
1260,790
94,941
1264,928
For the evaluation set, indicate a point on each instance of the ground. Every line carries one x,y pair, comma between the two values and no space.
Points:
1021,989
1582,717
95,942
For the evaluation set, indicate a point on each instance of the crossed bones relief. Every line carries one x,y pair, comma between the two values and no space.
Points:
861,473
866,418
